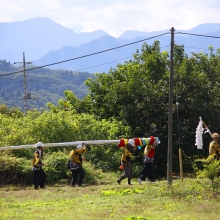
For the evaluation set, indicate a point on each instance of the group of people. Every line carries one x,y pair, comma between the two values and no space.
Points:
76,160
74,165
148,157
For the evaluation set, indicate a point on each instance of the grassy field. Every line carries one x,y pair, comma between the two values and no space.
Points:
187,199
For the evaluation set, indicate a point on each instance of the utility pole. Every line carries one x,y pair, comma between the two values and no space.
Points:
24,82
170,116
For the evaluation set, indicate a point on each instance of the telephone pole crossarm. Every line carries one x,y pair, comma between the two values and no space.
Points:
24,82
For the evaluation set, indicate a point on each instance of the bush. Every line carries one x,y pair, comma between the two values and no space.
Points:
14,170
56,167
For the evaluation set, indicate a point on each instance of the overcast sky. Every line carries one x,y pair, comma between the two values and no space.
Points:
115,16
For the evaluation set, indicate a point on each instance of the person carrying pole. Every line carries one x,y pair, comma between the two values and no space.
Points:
214,148
128,150
37,164
148,171
76,164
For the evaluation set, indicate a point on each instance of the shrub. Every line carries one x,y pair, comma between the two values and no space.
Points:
14,170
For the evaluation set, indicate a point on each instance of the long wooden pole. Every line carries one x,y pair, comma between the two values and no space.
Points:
181,163
170,117
74,143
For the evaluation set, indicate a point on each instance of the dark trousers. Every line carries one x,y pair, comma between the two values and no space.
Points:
128,173
75,173
148,172
39,178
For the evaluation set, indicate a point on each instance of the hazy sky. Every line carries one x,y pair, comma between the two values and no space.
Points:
115,16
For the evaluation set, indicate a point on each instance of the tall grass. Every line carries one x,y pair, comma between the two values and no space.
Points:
150,201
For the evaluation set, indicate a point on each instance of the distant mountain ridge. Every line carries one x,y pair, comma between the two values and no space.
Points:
200,29
102,62
38,36
46,42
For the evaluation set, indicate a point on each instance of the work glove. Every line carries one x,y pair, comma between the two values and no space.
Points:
122,167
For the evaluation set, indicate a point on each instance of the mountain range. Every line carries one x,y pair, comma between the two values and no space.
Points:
47,42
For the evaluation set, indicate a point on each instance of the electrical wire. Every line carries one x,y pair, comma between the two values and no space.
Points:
198,35
103,51
76,58
33,81
91,66
83,69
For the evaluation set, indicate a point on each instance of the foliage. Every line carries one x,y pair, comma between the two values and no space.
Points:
11,112
137,93
138,218
208,168
14,170
6,66
120,192
184,200
64,126
55,168
45,85
211,170
130,101
106,158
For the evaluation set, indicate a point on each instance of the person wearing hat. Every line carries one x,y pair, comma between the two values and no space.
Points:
128,150
76,164
148,171
39,178
214,148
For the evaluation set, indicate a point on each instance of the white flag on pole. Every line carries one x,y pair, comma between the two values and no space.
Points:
199,132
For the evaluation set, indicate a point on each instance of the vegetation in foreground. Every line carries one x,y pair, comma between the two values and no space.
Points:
187,199
116,108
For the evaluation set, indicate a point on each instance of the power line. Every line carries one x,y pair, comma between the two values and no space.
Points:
82,69
77,71
33,81
196,48
76,58
198,35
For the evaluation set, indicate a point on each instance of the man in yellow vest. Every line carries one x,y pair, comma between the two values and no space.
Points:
214,148
39,175
128,150
76,164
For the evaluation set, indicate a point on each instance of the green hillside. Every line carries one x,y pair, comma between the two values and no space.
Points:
45,85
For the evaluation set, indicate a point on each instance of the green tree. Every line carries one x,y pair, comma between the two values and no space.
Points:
137,93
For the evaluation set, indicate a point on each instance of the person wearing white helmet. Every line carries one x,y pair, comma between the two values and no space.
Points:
39,178
214,148
75,164
149,151
128,150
